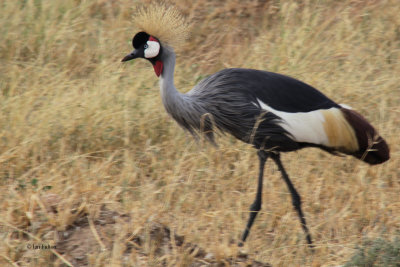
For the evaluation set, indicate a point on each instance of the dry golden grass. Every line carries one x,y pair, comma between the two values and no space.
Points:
80,131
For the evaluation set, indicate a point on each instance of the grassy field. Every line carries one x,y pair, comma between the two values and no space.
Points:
90,161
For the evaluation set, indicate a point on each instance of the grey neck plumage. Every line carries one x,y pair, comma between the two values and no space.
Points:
169,93
184,108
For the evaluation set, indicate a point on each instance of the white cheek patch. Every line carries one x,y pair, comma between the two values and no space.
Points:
152,50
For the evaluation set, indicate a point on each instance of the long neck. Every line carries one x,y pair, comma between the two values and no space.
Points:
184,108
170,96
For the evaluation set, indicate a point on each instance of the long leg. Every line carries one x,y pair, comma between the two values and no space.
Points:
256,206
296,200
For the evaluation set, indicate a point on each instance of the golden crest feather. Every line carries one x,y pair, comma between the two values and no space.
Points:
165,23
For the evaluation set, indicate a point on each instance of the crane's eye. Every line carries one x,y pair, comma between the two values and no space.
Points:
145,46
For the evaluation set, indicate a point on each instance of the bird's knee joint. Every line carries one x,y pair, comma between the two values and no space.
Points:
296,201
255,207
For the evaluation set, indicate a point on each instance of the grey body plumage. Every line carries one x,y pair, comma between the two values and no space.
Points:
217,104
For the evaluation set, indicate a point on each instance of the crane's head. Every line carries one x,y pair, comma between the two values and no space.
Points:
148,47
157,22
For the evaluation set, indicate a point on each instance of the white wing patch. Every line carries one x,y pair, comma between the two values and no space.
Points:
152,50
345,106
303,126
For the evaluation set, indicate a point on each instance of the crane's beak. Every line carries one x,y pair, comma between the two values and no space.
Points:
133,55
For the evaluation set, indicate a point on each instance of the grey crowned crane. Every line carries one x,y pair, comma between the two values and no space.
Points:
273,112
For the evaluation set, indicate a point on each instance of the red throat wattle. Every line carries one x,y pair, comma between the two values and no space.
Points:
158,67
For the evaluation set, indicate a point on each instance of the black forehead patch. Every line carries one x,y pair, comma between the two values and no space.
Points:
139,39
